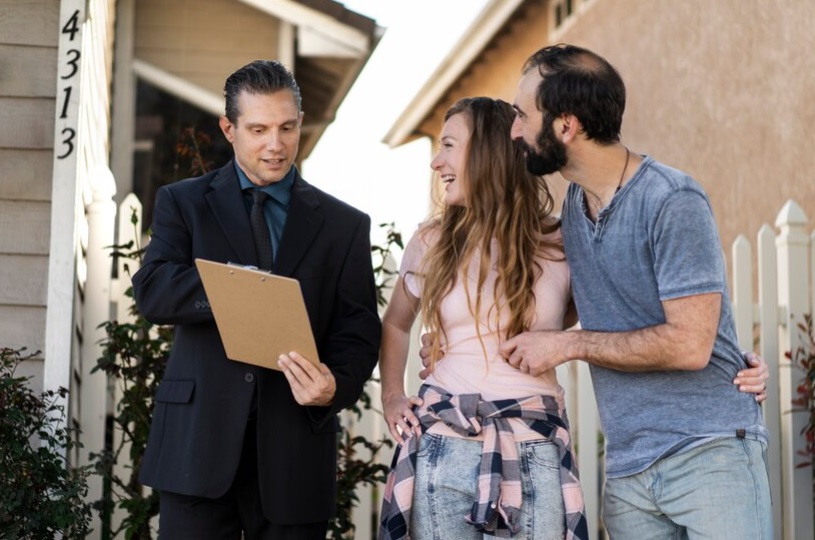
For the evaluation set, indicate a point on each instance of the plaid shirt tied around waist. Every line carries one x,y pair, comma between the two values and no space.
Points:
497,507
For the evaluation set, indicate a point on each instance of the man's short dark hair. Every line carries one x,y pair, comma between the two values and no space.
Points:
580,82
259,77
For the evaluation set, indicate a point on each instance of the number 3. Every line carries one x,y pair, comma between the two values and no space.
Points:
68,141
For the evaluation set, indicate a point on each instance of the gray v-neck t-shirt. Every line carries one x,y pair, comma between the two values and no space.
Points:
657,240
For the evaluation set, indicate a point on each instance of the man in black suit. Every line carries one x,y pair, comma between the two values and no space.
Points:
234,448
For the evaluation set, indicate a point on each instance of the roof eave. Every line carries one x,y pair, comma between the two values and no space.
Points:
308,143
491,19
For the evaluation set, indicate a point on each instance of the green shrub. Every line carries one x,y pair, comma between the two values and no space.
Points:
804,358
40,496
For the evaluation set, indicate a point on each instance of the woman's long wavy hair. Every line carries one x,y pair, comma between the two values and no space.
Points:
503,202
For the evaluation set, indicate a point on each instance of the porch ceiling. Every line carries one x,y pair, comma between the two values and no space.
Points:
187,49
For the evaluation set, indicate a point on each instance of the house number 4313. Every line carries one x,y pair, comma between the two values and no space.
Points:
69,68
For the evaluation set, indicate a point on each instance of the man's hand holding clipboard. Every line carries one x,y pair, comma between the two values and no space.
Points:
310,384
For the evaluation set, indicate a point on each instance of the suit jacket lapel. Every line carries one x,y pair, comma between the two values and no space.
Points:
303,222
226,202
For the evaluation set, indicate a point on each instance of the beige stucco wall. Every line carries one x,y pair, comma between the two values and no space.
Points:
724,90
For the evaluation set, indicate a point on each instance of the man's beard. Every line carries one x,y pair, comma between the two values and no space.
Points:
552,155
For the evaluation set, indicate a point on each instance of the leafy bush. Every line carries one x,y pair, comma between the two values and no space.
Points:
134,355
804,358
40,497
356,455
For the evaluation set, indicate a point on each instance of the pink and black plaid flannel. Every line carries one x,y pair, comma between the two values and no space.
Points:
498,505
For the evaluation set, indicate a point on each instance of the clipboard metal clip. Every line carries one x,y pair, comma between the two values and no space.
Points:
247,267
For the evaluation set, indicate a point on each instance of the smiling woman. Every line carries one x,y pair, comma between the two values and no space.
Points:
450,159
474,273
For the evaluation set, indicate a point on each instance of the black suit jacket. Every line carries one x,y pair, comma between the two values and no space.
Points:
204,399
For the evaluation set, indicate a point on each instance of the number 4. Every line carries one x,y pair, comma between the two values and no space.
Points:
72,25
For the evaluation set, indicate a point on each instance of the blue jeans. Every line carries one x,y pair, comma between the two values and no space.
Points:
717,490
445,484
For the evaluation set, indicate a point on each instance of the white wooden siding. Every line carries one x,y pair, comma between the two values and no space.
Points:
203,41
24,227
29,22
34,70
22,326
25,174
27,123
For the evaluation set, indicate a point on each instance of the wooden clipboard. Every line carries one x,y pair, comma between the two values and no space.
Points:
259,315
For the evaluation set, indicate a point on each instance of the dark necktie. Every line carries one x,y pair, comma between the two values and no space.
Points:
263,238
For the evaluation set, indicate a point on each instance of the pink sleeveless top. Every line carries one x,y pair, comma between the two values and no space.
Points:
473,366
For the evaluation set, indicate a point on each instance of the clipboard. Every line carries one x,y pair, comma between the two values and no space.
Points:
259,315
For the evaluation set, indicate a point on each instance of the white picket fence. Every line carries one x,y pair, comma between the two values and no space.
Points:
784,261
